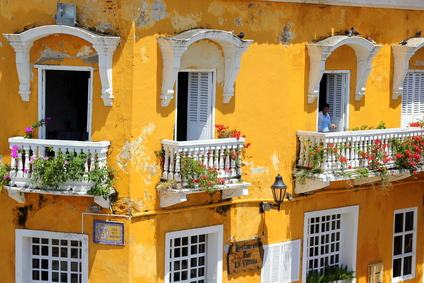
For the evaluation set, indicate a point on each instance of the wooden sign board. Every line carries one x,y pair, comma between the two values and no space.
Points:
245,256
108,233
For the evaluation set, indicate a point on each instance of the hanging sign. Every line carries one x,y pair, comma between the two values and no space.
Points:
108,233
245,256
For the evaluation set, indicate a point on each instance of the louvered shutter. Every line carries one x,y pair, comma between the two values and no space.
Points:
335,98
281,262
413,98
199,118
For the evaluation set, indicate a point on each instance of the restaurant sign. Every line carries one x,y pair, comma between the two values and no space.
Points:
245,256
108,233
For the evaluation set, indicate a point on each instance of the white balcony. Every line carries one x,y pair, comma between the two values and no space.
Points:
350,143
28,149
214,153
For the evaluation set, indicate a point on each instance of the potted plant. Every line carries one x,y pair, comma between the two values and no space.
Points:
338,274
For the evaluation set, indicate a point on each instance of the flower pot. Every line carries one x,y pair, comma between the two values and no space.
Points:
366,180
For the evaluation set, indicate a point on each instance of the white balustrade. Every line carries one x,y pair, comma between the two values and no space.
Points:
31,149
216,153
349,144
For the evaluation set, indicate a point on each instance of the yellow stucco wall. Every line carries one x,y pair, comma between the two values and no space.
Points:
269,106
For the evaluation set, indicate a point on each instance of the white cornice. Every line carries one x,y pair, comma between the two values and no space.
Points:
365,51
173,48
104,45
393,4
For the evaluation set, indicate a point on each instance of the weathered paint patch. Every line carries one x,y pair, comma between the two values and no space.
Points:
275,161
184,22
287,34
151,13
258,170
137,153
50,54
143,53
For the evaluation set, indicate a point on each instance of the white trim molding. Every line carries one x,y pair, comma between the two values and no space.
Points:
401,56
214,238
105,46
24,254
345,221
393,4
173,48
319,52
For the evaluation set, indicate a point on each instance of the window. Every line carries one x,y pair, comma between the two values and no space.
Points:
43,256
65,97
194,256
195,100
334,91
281,262
330,239
404,243
413,98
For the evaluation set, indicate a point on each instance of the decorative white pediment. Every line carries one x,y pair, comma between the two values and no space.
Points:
104,45
364,49
173,48
401,55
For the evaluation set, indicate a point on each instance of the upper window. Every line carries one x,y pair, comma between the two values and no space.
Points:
43,256
194,256
195,103
330,239
66,101
413,98
404,244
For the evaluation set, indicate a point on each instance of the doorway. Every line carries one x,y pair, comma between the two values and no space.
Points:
413,98
195,103
66,101
334,90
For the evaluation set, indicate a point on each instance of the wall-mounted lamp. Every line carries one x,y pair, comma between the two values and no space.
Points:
278,192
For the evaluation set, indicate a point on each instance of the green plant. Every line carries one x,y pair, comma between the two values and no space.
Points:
408,152
102,177
167,185
49,172
197,175
362,172
4,175
330,274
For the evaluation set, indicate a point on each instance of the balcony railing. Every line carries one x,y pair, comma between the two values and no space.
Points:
214,153
351,144
29,149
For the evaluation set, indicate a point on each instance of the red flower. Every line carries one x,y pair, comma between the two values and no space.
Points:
342,159
247,145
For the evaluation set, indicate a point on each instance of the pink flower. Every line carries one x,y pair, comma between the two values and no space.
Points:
29,130
26,171
14,151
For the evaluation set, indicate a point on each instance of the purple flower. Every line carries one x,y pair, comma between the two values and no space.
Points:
46,158
48,119
14,151
26,171
6,177
29,130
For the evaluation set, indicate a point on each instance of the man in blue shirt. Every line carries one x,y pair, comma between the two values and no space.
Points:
324,119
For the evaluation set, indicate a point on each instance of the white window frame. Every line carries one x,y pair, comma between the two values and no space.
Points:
213,71
414,245
348,213
401,105
23,249
346,99
42,94
214,250
286,262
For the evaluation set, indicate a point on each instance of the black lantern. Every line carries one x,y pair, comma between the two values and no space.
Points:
278,192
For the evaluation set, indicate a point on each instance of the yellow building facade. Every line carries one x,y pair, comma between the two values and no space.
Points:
110,86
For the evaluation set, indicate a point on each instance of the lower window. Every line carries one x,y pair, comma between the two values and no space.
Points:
330,240
43,256
194,256
404,244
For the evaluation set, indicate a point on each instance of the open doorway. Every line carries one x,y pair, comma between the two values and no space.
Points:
195,103
67,101
334,90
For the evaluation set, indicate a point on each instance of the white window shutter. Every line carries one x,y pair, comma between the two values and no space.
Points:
335,98
413,98
200,95
281,262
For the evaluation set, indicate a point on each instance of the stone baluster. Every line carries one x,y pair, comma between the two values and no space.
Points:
166,158
171,163
177,175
